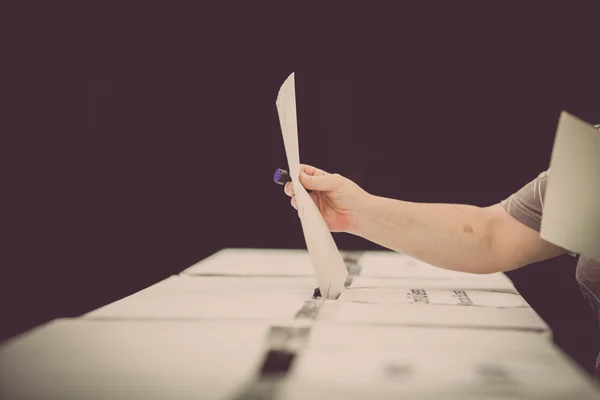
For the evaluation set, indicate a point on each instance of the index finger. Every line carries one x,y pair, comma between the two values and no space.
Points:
310,170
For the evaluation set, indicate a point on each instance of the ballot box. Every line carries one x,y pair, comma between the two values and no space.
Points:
389,264
419,296
215,297
435,283
380,268
254,262
124,360
412,302
358,362
400,329
517,318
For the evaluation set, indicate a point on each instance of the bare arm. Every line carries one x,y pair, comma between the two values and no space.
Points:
458,237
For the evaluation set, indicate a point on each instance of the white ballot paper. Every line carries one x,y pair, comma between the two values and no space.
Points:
571,217
328,263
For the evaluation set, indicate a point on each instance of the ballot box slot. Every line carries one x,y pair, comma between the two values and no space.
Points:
354,268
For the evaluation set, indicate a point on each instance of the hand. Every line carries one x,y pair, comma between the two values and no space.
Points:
338,198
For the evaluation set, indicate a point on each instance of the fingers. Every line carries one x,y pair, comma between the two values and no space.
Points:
288,189
326,183
313,195
310,170
313,178
293,201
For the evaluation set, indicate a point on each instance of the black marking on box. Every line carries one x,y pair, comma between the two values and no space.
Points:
398,371
352,264
284,343
462,297
309,310
419,296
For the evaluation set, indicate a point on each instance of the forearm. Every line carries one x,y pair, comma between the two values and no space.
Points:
450,236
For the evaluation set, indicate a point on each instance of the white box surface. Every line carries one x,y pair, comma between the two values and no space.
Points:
357,362
129,360
248,262
183,297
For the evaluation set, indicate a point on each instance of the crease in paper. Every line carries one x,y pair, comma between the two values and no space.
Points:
326,259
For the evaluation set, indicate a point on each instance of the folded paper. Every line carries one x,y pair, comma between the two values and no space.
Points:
326,259
571,209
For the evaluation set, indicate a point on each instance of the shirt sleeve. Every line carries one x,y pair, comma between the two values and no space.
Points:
527,203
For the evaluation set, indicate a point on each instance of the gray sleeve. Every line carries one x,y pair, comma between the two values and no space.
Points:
527,203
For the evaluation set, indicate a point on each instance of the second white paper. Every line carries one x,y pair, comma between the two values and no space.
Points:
571,217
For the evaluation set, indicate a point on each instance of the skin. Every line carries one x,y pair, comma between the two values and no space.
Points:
452,236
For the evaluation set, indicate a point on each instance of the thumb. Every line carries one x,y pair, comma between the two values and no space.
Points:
327,182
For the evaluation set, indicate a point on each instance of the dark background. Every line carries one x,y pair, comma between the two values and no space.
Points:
141,139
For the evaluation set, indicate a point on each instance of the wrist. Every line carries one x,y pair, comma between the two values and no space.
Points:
366,212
